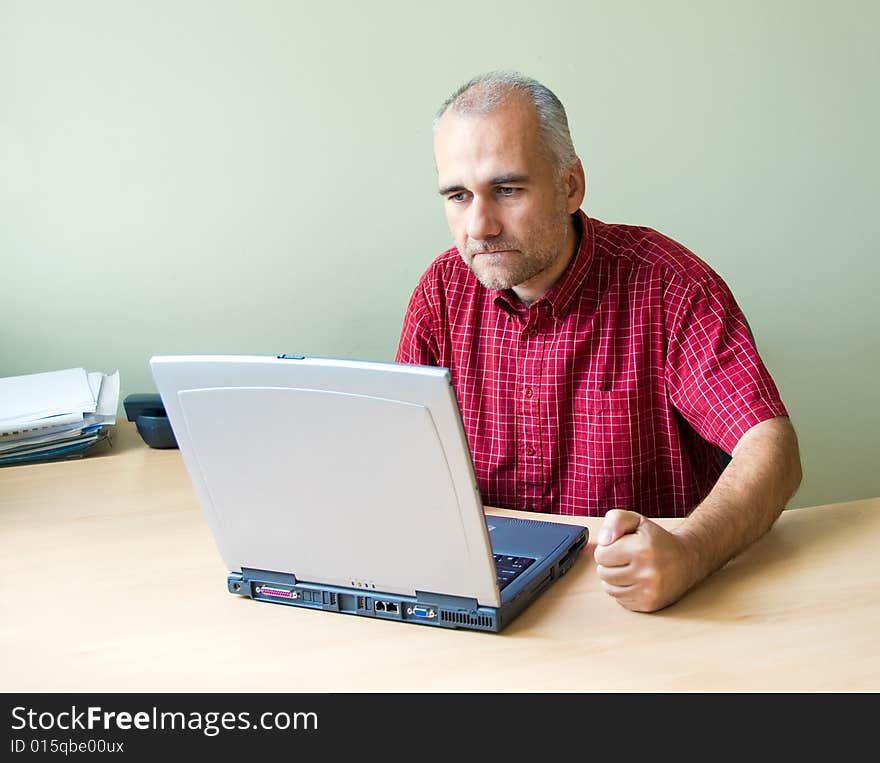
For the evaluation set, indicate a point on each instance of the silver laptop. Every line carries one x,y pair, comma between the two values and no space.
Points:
347,486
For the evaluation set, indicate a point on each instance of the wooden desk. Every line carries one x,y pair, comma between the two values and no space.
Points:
112,583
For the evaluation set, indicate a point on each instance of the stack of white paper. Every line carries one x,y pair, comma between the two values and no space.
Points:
58,414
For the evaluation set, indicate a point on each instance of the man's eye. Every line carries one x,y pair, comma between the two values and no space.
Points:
456,197
506,190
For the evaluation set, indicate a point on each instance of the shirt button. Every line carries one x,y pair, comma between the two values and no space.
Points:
528,392
530,451
533,333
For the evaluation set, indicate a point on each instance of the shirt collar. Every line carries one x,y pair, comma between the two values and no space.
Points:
560,295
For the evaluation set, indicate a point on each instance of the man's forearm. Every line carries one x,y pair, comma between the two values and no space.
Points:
748,498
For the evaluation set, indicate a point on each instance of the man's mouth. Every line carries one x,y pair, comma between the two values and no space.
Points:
490,252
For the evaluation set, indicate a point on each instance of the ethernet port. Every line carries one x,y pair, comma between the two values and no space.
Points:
392,608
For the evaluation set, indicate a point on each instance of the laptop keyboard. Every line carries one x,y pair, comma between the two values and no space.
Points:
509,568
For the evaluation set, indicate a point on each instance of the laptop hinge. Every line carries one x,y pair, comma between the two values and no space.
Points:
282,578
442,600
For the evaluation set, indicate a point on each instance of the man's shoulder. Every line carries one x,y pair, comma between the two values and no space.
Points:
449,258
448,270
641,247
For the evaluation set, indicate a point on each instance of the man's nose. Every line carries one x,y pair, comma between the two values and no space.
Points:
483,220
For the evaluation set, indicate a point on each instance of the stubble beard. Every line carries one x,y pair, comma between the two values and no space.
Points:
529,258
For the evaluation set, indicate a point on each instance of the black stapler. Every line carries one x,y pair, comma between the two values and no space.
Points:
148,414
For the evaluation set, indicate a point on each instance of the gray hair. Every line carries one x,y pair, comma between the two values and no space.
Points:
484,93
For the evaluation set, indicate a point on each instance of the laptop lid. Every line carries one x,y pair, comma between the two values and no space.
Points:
347,473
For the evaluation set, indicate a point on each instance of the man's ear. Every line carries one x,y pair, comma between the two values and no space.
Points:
575,186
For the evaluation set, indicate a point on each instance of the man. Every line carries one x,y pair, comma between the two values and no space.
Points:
600,369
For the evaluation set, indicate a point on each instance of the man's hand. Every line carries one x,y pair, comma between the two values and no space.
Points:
647,568
640,564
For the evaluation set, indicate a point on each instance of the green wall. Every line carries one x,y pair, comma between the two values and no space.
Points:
256,177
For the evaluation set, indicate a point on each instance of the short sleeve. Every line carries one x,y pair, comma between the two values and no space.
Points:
714,374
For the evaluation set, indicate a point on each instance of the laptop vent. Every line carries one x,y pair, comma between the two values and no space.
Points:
465,618
527,523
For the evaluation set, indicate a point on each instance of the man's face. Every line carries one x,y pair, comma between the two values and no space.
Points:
508,212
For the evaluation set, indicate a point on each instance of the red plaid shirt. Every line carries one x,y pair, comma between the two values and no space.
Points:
612,391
